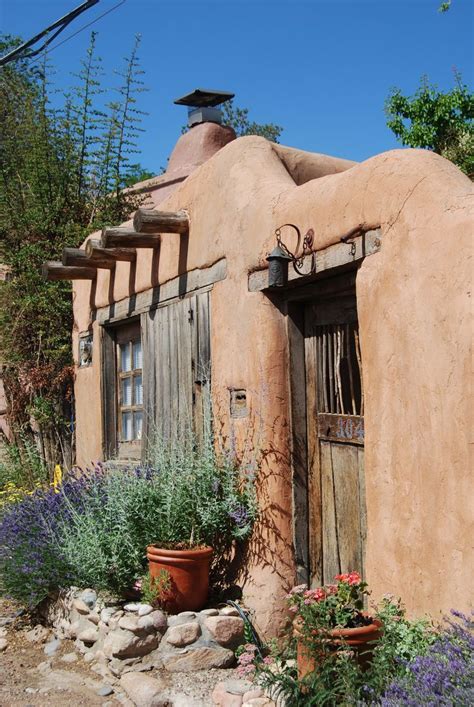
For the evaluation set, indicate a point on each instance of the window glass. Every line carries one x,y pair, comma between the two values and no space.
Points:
137,355
127,432
125,359
137,424
126,391
138,390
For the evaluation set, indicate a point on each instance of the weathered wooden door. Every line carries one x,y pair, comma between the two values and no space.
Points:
176,347
335,433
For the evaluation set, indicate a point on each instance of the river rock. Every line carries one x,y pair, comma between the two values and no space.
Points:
94,618
89,597
89,635
209,612
38,634
145,609
202,658
183,634
228,611
143,690
132,607
51,647
80,606
69,658
3,644
156,621
130,623
107,613
227,630
124,644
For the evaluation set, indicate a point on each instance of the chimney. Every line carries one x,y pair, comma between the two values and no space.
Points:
202,105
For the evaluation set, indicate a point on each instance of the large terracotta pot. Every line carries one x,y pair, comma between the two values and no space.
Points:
361,640
189,576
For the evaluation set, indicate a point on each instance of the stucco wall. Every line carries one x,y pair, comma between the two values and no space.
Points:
414,323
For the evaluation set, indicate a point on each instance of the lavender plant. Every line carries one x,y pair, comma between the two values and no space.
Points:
444,675
32,560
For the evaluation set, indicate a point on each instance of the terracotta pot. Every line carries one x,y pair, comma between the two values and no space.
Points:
189,576
361,640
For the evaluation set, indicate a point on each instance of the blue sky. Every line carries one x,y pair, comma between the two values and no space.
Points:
321,68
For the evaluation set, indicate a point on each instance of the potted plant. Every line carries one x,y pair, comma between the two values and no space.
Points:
207,502
331,618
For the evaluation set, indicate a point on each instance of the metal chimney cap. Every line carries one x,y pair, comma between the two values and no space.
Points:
204,98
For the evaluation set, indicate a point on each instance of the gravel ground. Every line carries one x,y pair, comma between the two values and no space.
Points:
29,678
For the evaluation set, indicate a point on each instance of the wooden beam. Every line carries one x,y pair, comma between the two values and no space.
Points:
128,238
54,270
173,290
94,251
78,257
328,258
152,221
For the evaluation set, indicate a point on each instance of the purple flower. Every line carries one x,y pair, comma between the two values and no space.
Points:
239,515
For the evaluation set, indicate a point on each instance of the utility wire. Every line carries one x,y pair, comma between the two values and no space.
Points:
61,24
81,29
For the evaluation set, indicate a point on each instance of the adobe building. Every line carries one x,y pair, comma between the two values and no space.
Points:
349,375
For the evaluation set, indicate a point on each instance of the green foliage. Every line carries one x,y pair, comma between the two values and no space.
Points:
238,118
23,467
187,497
62,170
338,678
155,590
445,6
431,119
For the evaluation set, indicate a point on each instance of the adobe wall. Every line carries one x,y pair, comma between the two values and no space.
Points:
414,326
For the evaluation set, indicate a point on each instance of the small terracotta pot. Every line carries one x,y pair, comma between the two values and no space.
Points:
189,576
360,639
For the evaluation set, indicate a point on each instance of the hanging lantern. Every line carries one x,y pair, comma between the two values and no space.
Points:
278,267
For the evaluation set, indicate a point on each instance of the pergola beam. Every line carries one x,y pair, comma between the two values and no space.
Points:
53,270
95,251
153,221
128,238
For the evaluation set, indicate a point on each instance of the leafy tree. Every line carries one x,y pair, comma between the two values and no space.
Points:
442,122
238,119
62,170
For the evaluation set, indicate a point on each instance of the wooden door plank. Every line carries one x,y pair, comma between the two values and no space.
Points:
314,475
173,370
362,506
331,563
345,468
147,321
185,374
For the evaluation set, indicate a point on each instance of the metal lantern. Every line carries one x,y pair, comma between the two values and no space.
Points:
278,267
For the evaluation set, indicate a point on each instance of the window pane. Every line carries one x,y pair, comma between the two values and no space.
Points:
126,391
138,422
127,426
137,354
138,390
125,362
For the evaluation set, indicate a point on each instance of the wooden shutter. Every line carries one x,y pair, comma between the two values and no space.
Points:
176,354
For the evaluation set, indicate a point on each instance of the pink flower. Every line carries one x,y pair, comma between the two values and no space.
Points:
298,590
138,585
354,578
268,660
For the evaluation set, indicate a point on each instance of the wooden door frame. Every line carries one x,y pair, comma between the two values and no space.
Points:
292,303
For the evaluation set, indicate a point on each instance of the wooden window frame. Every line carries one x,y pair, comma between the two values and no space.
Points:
126,332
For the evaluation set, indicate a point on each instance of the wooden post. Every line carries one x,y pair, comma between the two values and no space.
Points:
94,251
128,238
152,221
77,256
54,270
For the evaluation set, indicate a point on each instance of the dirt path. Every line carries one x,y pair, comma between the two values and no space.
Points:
29,678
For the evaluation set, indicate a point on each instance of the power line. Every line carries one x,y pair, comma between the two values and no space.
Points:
81,29
61,24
